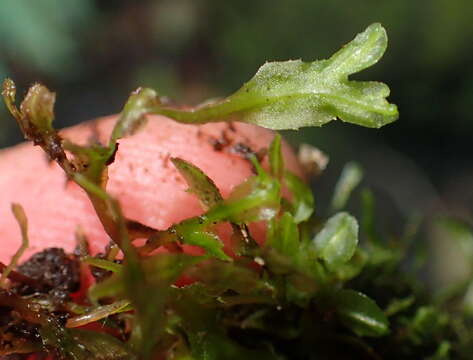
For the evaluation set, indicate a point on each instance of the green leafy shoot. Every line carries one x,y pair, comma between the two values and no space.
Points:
209,195
35,118
20,217
301,204
293,94
283,236
351,176
148,294
256,199
292,262
134,279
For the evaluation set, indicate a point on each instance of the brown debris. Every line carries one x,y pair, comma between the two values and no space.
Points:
312,159
55,272
225,142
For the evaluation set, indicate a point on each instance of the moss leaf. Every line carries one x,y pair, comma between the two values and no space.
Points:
336,242
360,313
199,183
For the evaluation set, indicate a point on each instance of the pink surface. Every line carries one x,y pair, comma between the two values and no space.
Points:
142,177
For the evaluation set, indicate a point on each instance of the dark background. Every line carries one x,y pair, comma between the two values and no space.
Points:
94,52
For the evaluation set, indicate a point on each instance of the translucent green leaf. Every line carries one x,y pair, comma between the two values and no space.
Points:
361,314
133,114
98,313
353,267
199,183
284,236
253,201
336,242
258,198
276,160
302,202
102,264
349,179
293,94
206,240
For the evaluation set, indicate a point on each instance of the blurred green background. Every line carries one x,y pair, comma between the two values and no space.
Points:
94,52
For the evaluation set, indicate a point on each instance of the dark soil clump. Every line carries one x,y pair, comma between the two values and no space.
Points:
56,273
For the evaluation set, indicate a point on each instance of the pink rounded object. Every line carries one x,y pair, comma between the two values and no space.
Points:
143,178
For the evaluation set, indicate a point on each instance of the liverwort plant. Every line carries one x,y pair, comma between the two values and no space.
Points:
293,94
312,290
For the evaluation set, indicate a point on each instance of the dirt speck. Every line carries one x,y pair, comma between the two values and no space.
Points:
246,152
